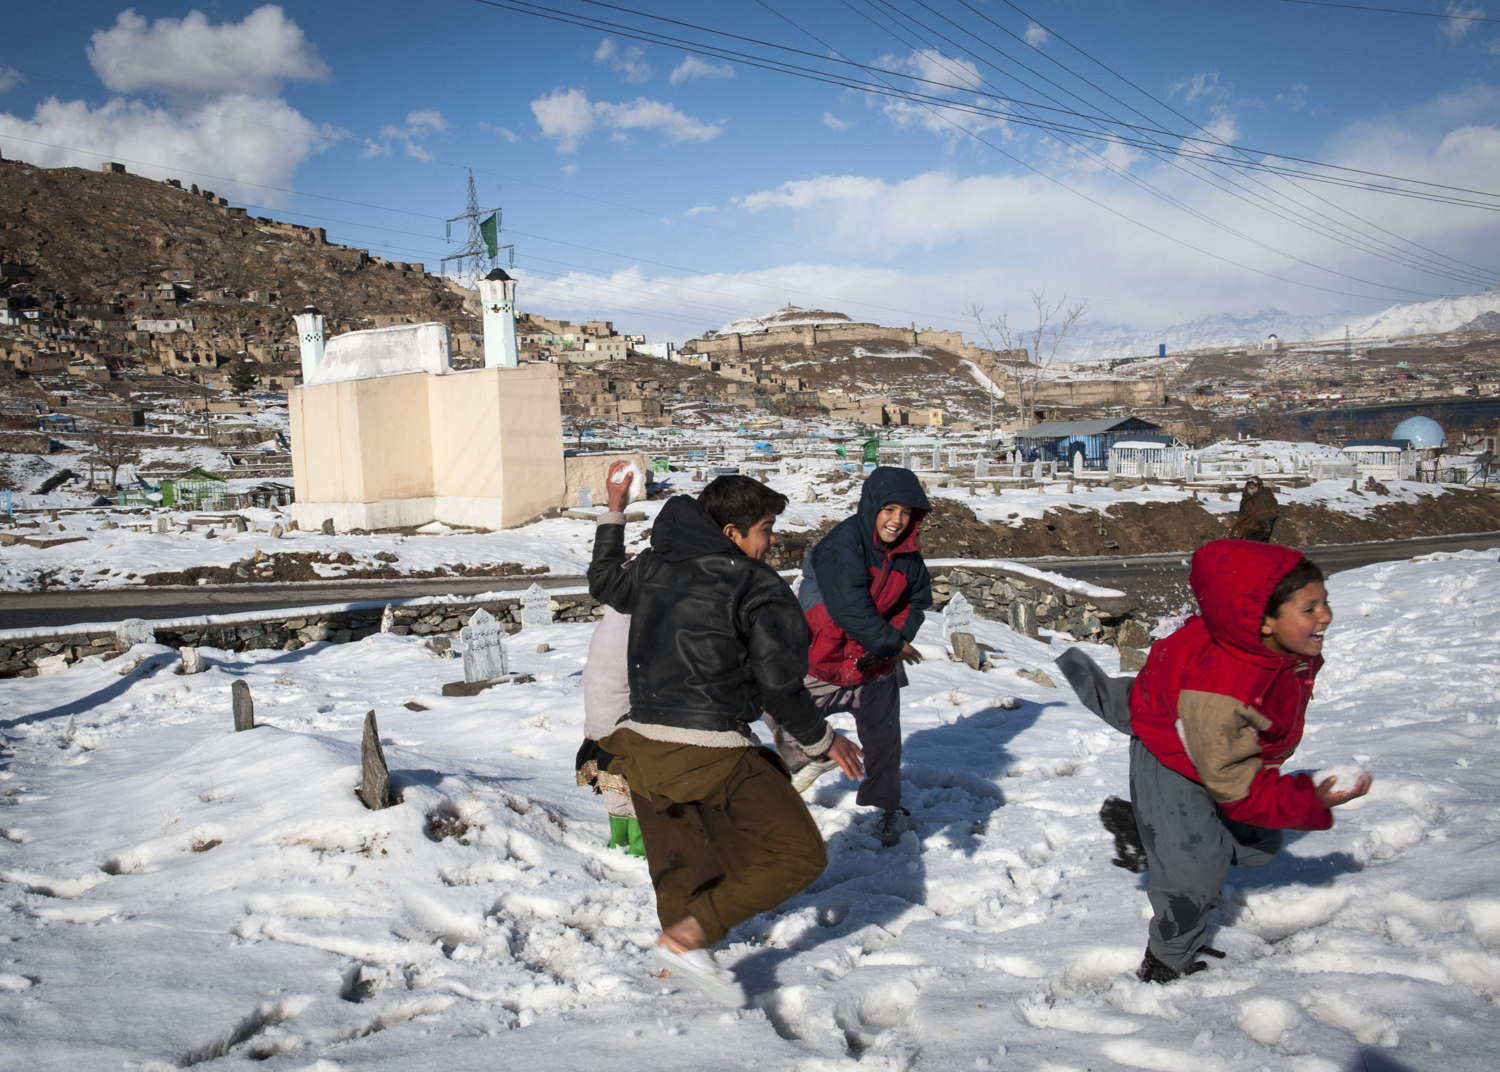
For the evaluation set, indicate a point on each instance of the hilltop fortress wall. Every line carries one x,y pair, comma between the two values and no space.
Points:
813,334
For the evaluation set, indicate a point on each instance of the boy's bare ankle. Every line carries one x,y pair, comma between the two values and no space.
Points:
686,933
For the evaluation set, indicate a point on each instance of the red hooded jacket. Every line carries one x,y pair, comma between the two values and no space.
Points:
1217,706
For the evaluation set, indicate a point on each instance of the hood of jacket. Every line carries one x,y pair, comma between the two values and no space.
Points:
891,484
682,531
1233,580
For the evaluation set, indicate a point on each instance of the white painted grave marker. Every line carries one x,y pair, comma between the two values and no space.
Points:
484,648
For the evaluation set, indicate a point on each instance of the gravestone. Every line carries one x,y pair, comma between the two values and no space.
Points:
966,650
291,526
810,495
192,661
484,648
953,459
161,524
375,777
958,615
1023,618
51,664
906,457
1078,463
276,531
585,498
1052,469
937,457
1036,470
244,707
536,607
387,619
981,467
1015,469
327,526
133,631
786,467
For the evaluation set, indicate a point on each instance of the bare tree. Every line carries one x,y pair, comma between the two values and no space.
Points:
111,451
1054,319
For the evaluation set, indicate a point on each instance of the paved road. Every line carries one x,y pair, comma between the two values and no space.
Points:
1159,582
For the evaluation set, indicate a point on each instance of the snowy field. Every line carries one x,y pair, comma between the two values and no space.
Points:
177,895
112,556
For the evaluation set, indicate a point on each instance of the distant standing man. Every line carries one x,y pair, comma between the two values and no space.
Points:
1258,512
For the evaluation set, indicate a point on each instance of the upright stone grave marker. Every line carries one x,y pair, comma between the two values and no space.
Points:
981,467
387,619
240,524
1077,464
1036,470
585,498
937,456
375,777
244,707
484,648
327,526
192,661
536,607
1015,469
958,615
906,457
133,631
276,531
953,460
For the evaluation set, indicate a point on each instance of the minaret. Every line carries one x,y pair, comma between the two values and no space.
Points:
497,293
312,335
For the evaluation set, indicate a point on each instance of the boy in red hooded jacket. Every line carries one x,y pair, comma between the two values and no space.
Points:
1215,712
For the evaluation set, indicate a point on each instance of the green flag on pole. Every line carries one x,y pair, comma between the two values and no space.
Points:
490,229
872,450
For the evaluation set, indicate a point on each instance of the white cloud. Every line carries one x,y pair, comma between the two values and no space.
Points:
1455,29
418,125
1294,97
833,122
505,132
698,210
1035,36
933,67
567,117
254,141
9,77
692,68
630,65
1202,86
190,59
224,125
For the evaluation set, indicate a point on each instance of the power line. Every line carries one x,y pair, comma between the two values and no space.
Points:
1392,10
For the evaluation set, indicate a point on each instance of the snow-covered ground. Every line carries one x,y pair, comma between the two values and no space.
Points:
114,556
179,895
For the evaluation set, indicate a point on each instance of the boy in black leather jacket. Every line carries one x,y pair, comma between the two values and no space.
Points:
716,636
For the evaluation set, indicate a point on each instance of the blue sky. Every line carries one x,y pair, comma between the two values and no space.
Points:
944,153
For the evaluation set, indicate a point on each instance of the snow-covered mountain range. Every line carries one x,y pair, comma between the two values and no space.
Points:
1095,341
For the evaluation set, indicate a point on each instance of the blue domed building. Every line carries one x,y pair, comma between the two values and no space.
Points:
1423,433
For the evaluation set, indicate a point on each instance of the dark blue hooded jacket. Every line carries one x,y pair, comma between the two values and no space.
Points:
860,596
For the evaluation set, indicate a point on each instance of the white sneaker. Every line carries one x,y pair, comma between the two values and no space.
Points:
697,967
803,777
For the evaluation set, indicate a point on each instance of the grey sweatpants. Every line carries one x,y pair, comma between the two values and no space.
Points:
1190,846
876,707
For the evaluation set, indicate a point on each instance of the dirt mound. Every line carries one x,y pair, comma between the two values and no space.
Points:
303,566
952,530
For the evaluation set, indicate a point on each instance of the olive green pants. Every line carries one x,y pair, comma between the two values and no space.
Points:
726,835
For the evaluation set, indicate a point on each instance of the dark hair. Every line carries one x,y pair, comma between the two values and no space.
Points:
739,501
1304,573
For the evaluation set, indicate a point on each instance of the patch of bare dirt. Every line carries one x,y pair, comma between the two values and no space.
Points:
952,530
303,566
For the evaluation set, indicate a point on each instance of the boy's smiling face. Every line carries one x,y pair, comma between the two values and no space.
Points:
756,543
1297,627
891,522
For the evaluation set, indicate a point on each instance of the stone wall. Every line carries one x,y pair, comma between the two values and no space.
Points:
1027,604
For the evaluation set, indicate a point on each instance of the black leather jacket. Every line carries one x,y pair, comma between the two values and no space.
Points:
715,636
